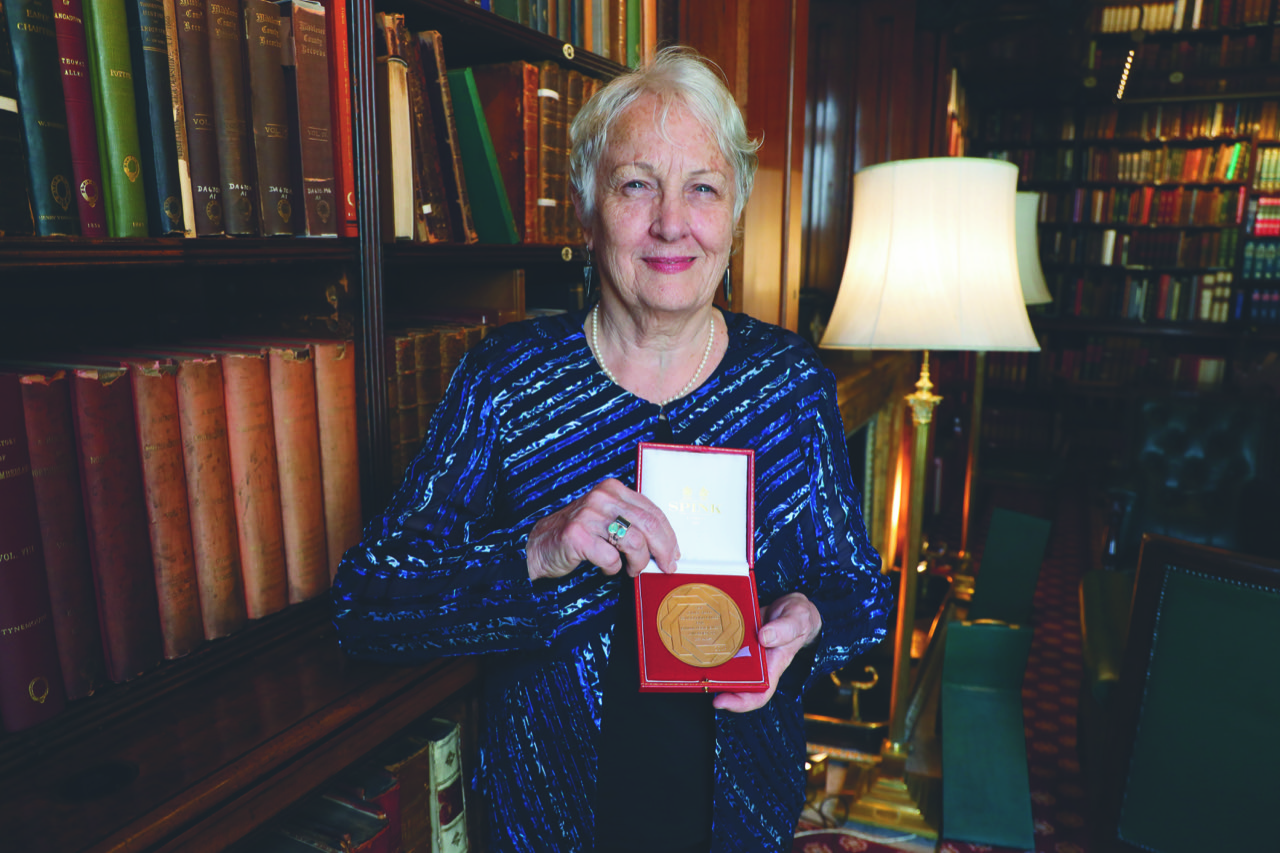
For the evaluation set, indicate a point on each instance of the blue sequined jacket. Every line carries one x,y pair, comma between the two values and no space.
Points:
530,423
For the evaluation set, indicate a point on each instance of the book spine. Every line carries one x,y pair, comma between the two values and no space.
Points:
569,230
46,405
230,115
489,203
210,496
15,201
255,481
431,48
427,162
149,50
31,689
269,113
529,72
86,167
164,485
549,121
448,788
618,30
116,117
116,520
339,448
340,115
34,42
202,127
179,118
306,69
297,434
395,139
633,33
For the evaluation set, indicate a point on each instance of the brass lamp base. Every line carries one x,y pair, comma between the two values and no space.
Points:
885,795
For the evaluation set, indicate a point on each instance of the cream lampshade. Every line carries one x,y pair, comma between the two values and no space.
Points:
933,260
1034,289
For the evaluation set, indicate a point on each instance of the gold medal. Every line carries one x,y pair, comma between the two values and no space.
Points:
700,624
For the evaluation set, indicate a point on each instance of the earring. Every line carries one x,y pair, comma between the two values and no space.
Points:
728,288
588,278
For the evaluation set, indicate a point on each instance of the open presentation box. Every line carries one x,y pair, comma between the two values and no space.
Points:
699,626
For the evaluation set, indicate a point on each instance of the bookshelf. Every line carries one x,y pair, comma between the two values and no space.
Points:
196,753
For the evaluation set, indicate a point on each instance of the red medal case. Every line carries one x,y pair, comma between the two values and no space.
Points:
707,493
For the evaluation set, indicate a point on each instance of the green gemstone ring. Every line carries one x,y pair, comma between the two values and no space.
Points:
617,529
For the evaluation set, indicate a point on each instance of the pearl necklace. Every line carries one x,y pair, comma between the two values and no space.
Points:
706,354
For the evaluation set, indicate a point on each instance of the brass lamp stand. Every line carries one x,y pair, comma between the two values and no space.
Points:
886,794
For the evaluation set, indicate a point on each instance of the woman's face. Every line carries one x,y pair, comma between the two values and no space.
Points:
664,213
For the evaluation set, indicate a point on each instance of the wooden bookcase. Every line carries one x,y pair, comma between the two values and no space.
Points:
197,753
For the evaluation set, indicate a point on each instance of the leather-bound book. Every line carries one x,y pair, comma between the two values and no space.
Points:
426,361
432,207
210,495
115,113
201,120
15,202
344,174
86,167
255,480
164,484
297,433
34,43
231,117
395,139
116,519
31,688
618,30
46,407
171,24
306,77
489,204
509,95
575,88
149,51
335,365
435,71
269,113
551,103
379,789
403,384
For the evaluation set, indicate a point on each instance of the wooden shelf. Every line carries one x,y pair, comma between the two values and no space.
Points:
158,252
474,36
1157,328
198,753
520,255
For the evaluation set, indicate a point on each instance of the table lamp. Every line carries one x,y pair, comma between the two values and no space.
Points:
1034,292
932,265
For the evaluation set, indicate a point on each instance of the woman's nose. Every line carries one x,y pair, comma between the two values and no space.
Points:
671,218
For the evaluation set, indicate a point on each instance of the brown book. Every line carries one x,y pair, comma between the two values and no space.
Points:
31,689
426,357
306,75
431,51
551,104
46,405
570,232
407,757
509,95
431,204
255,480
618,30
179,106
401,375
116,519
269,114
297,433
344,175
164,482
335,365
202,126
210,494
231,117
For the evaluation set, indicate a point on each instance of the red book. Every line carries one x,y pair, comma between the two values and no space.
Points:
31,688
164,482
46,405
297,434
210,495
509,96
335,365
255,480
116,517
344,174
85,165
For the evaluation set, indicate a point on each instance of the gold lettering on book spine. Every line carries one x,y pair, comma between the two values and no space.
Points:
700,624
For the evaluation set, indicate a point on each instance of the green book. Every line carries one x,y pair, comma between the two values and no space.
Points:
490,207
116,115
633,33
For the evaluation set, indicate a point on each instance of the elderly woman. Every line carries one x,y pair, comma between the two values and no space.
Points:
502,539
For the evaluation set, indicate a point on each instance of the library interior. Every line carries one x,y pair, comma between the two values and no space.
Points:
1034,243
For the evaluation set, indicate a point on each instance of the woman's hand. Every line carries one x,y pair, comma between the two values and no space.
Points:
562,541
788,625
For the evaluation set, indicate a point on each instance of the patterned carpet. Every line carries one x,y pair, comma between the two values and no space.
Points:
1049,695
